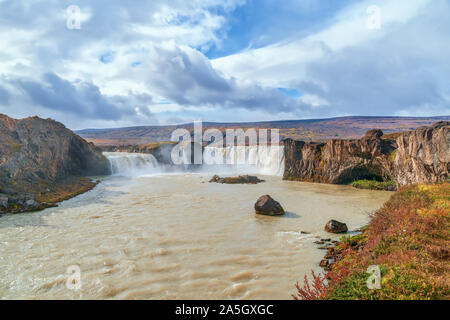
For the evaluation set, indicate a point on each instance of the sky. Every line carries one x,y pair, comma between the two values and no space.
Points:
120,63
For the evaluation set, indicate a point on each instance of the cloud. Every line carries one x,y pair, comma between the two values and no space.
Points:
4,96
350,69
145,62
80,98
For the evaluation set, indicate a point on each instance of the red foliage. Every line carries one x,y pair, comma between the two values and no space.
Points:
318,289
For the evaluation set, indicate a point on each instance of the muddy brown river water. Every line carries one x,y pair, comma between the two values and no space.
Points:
174,236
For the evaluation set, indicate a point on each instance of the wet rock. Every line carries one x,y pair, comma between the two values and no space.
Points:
334,226
326,240
304,232
268,206
319,242
236,180
324,263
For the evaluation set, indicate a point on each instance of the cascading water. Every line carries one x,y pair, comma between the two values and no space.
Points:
264,160
131,164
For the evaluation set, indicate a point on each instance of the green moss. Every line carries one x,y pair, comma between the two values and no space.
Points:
392,156
375,185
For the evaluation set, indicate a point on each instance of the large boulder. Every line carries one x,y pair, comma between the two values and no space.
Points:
268,206
334,226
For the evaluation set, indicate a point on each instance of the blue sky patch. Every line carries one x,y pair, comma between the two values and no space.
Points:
107,57
292,93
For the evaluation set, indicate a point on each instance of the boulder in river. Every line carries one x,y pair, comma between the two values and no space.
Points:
268,206
334,226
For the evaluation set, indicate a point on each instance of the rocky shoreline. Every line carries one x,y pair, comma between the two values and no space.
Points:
406,240
28,202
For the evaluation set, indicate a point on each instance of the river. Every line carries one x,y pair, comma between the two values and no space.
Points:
159,235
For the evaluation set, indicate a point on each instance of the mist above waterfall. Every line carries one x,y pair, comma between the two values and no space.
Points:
264,160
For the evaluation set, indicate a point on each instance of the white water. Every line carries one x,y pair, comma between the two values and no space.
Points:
132,164
264,160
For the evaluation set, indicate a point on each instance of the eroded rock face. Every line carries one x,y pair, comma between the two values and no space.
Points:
418,156
268,206
35,153
334,226
423,155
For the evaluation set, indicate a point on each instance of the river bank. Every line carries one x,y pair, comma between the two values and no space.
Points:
408,238
49,197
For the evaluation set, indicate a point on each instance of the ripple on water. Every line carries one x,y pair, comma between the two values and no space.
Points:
174,238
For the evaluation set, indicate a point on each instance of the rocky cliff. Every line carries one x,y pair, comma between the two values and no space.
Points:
419,156
38,155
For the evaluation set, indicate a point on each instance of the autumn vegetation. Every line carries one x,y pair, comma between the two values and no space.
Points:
408,238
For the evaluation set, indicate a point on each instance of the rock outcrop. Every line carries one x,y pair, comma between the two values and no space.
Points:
268,206
422,155
37,154
236,180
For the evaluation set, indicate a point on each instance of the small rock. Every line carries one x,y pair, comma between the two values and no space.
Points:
31,203
324,263
4,201
319,242
268,206
326,240
334,226
304,232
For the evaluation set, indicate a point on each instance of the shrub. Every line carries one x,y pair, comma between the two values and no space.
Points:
408,238
375,185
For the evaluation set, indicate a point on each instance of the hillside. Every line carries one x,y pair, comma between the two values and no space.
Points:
306,130
41,160
408,239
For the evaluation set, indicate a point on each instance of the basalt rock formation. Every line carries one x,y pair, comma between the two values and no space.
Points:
419,156
38,156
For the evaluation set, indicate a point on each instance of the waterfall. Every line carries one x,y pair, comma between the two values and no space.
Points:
132,164
264,160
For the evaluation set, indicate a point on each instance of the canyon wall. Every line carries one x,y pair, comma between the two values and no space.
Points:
38,154
419,156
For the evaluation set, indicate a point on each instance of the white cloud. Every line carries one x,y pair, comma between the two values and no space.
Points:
155,50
